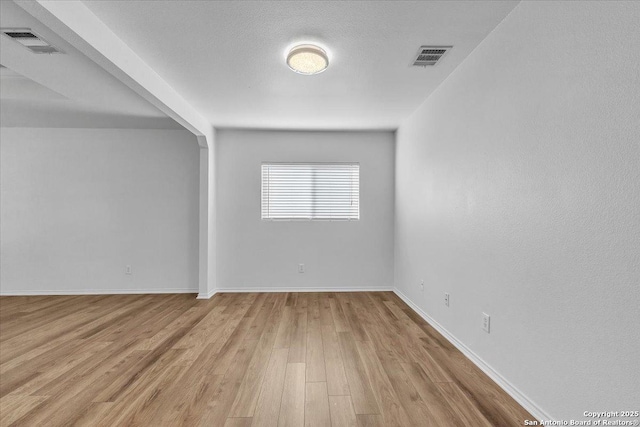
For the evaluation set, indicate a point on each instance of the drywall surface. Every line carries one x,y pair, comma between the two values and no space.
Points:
518,192
261,254
78,205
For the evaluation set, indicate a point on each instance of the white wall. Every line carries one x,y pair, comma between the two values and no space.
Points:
518,192
257,254
78,205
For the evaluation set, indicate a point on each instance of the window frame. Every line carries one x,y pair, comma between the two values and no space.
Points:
310,218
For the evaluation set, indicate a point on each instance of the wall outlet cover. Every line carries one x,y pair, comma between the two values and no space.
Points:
486,322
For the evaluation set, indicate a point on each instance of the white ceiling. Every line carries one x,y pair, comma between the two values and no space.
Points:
227,58
66,90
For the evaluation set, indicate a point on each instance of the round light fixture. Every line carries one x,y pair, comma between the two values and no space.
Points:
307,59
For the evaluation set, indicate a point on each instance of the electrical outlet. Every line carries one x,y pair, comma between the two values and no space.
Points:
422,285
300,268
486,322
127,270
446,299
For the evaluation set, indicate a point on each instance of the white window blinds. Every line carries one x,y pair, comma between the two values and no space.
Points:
329,191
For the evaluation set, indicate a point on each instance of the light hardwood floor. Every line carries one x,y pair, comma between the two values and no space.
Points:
253,359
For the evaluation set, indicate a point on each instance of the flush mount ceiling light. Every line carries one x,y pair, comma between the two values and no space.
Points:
307,59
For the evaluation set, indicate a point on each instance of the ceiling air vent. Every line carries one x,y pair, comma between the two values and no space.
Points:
430,55
30,40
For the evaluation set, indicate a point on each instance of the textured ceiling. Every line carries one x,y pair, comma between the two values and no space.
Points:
67,90
227,58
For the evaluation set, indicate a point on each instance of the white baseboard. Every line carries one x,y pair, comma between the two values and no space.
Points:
97,292
207,296
510,389
285,289
189,291
314,289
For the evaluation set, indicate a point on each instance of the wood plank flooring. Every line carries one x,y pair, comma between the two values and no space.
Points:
250,359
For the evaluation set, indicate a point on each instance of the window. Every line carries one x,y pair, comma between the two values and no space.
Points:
312,191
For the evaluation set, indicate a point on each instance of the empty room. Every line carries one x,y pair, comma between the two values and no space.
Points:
319,213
